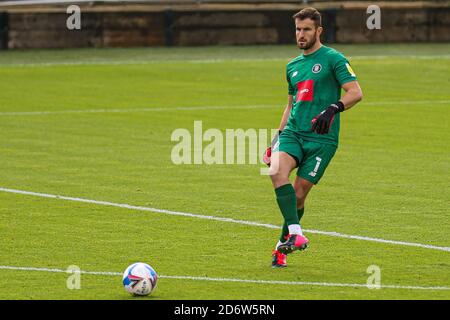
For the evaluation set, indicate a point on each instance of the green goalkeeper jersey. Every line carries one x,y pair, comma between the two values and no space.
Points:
315,81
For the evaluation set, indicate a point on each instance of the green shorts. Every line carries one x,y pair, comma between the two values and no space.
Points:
312,157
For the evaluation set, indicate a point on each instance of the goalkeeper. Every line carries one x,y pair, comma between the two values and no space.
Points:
309,128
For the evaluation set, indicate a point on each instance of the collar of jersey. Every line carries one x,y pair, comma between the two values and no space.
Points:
308,56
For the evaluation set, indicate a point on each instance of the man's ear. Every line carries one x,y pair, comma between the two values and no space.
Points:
319,31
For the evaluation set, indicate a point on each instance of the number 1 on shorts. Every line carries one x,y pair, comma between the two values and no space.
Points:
314,172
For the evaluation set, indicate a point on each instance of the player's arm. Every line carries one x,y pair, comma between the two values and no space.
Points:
346,77
286,113
353,94
284,119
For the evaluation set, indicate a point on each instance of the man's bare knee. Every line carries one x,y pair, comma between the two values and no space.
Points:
280,168
279,178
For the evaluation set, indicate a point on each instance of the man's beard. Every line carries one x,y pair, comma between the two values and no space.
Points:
308,45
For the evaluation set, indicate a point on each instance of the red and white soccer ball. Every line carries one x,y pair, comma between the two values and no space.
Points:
140,279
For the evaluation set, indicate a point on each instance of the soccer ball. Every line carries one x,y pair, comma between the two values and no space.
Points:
139,279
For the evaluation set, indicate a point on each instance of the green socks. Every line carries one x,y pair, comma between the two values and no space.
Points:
287,202
300,213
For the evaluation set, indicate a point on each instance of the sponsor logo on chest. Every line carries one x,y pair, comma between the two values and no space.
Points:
305,91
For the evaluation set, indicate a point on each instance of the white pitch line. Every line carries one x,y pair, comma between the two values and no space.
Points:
132,110
298,283
218,60
376,103
208,217
168,109
133,62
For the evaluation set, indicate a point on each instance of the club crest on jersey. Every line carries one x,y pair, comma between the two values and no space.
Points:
316,68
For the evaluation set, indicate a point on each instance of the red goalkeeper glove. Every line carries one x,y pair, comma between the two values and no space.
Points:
268,153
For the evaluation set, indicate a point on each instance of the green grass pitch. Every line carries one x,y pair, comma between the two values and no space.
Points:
388,180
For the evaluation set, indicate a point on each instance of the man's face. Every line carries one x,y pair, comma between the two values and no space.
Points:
306,33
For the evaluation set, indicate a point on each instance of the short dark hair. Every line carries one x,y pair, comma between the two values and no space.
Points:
309,13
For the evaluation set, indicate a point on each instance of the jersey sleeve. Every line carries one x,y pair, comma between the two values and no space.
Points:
342,69
291,89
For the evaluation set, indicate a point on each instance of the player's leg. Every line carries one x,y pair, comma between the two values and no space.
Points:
302,188
287,155
281,166
317,157
283,162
